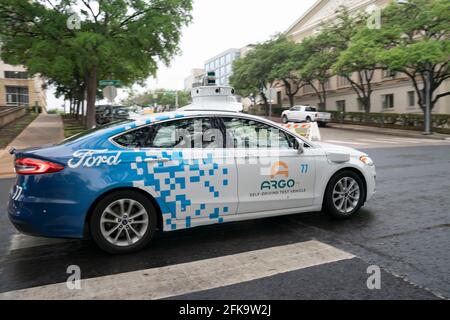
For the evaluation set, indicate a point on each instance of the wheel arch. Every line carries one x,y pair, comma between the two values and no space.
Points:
159,220
354,170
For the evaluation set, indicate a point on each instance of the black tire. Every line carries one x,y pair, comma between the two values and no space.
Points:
329,206
95,227
284,119
308,119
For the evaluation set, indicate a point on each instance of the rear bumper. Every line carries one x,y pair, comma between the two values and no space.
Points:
322,120
47,218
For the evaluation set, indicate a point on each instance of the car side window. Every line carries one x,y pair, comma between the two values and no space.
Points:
248,133
184,133
134,139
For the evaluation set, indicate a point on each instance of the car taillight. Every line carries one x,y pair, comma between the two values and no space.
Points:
317,114
36,166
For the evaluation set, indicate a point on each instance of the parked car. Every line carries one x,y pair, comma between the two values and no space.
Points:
306,114
107,113
119,183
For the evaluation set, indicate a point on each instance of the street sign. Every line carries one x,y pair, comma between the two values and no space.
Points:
271,94
114,83
110,93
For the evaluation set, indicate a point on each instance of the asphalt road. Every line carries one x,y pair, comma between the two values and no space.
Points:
404,230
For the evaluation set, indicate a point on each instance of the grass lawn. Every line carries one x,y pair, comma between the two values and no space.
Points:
72,126
13,129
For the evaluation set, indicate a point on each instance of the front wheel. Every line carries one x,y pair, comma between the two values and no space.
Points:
344,195
284,119
123,222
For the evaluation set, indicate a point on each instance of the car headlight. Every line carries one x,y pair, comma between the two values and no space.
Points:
366,160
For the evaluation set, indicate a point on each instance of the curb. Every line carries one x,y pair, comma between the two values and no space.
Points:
399,134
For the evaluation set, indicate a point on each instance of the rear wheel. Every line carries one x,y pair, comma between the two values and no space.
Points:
123,222
344,195
308,119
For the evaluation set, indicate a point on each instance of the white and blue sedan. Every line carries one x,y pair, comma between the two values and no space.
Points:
171,171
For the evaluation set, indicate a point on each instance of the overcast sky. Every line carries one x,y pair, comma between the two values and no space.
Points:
217,26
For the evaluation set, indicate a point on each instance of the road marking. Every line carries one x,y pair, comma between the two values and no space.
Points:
346,142
21,241
163,282
380,141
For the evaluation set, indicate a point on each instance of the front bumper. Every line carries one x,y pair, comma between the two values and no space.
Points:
370,176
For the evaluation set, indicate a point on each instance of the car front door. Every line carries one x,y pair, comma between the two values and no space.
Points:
272,174
193,178
296,114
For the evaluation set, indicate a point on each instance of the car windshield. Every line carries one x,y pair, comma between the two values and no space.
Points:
89,131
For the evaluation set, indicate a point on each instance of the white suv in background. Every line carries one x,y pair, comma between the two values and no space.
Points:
305,114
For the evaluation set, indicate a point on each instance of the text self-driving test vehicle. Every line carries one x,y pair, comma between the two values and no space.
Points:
183,169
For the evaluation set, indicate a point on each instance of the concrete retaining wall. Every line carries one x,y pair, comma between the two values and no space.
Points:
8,114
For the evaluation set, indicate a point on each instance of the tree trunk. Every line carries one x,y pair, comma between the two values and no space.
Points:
91,97
77,114
291,99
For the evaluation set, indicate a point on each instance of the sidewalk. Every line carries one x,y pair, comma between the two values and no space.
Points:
389,131
45,129
378,130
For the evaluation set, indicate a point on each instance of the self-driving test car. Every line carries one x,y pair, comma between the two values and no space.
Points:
197,166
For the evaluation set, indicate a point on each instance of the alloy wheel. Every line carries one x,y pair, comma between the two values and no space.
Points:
346,194
124,222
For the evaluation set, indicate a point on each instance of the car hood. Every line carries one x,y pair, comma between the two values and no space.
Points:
337,152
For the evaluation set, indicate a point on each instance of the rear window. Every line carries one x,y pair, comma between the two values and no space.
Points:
311,109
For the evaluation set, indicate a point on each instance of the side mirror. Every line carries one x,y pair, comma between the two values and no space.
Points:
299,146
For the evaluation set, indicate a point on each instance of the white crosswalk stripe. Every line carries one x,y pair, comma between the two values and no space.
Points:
388,142
346,142
169,281
378,140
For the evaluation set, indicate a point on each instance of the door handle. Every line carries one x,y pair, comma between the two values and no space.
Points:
153,160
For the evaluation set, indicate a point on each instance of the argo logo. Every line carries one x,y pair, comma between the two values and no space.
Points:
278,169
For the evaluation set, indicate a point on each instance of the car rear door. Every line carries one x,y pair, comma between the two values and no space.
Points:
193,177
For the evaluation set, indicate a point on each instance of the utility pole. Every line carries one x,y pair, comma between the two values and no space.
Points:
427,116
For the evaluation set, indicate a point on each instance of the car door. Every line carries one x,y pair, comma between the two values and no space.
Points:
272,175
296,114
192,175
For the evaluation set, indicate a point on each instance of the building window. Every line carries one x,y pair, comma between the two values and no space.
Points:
16,75
388,101
229,58
17,96
340,105
411,99
389,73
342,82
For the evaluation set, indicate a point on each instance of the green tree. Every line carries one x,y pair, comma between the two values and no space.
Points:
121,39
286,61
162,97
251,74
316,70
415,39
357,59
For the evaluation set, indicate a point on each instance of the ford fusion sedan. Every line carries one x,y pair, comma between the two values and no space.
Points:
118,184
